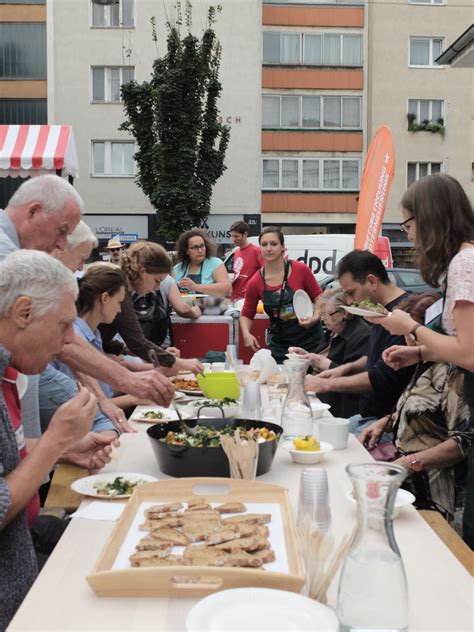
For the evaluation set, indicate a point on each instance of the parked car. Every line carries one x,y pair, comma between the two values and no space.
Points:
408,279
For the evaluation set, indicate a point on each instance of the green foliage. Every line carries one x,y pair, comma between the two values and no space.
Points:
425,125
174,119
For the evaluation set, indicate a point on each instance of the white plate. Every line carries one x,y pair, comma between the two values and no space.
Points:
358,311
85,486
404,498
187,297
138,414
259,609
231,410
302,304
178,395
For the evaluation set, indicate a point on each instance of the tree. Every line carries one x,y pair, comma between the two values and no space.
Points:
175,121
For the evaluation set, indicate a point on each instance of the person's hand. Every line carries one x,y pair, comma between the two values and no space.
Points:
174,350
308,322
192,365
338,371
398,322
315,384
116,416
370,436
151,385
318,361
195,312
188,284
91,452
399,356
251,342
298,350
72,420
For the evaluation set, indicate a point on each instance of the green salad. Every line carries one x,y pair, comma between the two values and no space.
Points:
226,401
118,487
370,306
207,437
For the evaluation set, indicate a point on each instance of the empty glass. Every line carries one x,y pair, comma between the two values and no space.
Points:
252,401
313,502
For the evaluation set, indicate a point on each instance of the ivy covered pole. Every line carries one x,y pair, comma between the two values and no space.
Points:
174,119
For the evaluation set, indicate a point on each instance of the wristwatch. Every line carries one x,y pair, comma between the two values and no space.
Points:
412,333
415,464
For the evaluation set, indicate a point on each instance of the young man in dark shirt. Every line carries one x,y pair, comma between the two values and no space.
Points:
362,275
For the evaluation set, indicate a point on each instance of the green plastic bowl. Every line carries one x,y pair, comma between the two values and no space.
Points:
219,385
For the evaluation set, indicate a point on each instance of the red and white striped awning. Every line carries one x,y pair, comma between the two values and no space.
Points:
31,150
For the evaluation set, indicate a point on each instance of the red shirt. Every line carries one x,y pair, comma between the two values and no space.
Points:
12,402
246,262
300,278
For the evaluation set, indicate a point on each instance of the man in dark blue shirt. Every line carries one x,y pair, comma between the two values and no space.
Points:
362,275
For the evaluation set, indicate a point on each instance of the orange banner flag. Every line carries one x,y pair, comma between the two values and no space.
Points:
377,177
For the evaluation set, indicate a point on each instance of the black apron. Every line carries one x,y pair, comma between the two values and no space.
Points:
194,277
284,330
153,316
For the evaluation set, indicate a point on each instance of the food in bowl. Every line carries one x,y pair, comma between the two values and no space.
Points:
308,457
226,406
307,444
207,437
153,416
186,385
368,305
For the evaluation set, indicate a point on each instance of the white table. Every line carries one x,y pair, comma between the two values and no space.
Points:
440,589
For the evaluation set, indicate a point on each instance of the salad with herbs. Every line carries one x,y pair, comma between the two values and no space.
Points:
120,486
370,306
225,401
207,437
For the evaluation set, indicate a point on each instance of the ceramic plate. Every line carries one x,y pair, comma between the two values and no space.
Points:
187,297
139,414
86,486
302,304
259,609
358,311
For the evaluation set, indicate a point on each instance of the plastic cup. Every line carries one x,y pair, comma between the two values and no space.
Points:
252,402
313,503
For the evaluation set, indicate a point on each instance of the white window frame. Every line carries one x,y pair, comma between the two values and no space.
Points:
302,46
321,111
418,119
107,87
108,159
431,65
424,162
321,160
108,14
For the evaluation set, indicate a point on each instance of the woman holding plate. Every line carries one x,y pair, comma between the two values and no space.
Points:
275,285
439,219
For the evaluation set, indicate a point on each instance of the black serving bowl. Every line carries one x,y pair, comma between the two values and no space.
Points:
183,461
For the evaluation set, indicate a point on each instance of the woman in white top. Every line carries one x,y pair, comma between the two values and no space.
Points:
438,218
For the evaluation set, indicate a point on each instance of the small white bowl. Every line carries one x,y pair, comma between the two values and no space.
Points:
318,408
233,410
307,457
404,499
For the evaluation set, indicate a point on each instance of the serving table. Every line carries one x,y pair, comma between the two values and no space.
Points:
440,589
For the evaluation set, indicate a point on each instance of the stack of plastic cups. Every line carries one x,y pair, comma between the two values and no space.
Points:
313,504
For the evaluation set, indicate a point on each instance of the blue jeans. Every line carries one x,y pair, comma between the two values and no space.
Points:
359,423
56,388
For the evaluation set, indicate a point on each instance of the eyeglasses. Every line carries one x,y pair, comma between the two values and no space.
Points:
403,225
200,247
114,249
325,316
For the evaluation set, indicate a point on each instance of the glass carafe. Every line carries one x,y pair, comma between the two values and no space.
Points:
372,592
296,414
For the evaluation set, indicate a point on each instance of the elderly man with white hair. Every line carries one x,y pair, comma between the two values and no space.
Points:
79,246
36,315
41,215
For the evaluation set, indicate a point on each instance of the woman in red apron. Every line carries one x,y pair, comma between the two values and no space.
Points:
275,285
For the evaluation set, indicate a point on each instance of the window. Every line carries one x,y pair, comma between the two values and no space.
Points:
23,50
417,170
113,15
311,1
110,158
311,174
426,109
424,51
427,1
23,112
337,112
106,82
312,49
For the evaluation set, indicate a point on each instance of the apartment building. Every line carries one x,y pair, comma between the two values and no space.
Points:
92,49
23,68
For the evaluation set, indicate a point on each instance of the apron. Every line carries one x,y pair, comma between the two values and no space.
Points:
153,317
194,277
284,330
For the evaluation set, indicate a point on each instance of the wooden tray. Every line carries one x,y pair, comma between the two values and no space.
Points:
194,581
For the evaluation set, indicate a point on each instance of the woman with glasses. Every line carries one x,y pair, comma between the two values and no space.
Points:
198,270
346,339
439,219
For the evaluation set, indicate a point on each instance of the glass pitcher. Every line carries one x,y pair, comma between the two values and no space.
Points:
372,591
296,414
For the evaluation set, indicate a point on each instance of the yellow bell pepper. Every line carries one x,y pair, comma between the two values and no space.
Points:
307,443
